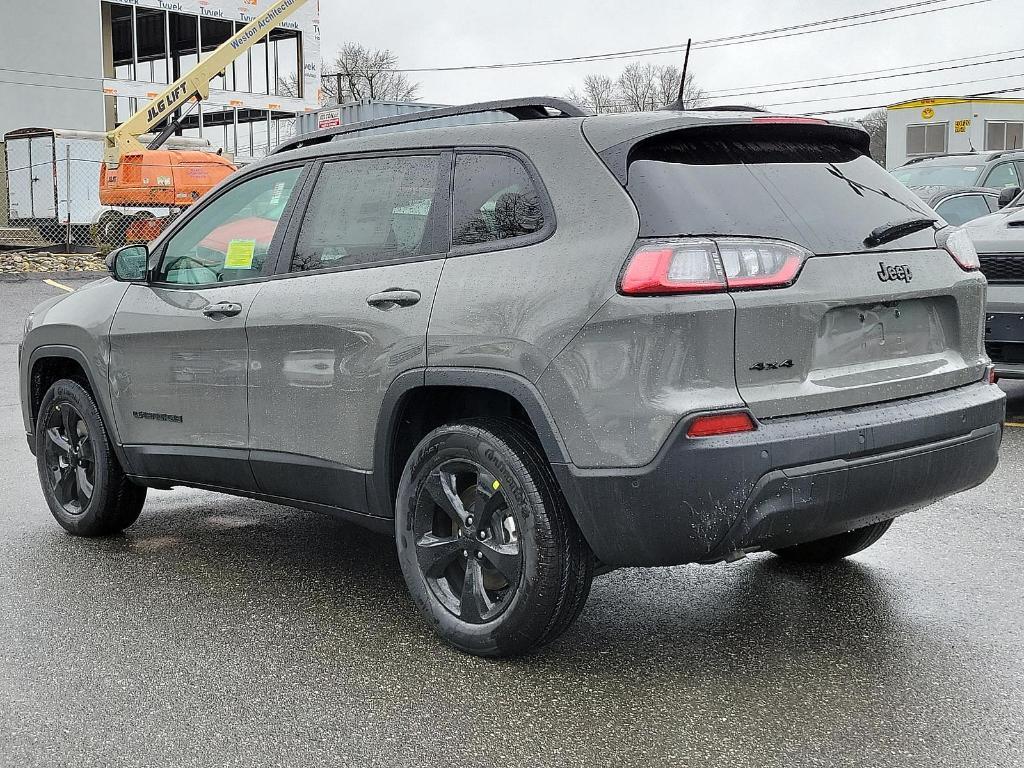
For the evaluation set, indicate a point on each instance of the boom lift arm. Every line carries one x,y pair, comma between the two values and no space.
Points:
194,84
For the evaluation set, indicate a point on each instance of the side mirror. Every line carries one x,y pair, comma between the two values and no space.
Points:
129,264
1007,195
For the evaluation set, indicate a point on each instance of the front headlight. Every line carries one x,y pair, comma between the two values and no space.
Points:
29,322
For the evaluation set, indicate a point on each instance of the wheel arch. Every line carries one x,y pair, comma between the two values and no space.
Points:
52,362
457,392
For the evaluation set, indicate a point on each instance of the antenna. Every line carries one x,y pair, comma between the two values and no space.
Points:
682,80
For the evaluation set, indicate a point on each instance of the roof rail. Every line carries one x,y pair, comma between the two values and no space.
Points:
674,106
922,158
533,108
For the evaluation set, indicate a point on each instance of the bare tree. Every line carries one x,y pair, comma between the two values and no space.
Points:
359,73
289,86
668,87
599,91
638,87
875,124
577,97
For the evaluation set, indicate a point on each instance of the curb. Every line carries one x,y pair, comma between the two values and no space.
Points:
21,277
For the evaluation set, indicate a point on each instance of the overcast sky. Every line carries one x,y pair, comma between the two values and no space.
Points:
437,33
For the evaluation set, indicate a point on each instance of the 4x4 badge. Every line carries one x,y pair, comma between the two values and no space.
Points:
771,366
899,272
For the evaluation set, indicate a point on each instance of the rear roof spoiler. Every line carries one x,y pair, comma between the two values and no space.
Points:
533,108
618,156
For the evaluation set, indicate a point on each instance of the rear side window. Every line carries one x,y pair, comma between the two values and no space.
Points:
495,199
369,210
812,187
962,208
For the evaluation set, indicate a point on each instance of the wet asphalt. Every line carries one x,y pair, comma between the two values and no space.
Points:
228,632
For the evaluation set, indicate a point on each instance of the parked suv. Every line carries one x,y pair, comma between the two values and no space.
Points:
997,170
999,240
534,349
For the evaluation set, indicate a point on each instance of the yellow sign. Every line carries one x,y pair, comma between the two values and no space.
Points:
961,126
927,113
239,255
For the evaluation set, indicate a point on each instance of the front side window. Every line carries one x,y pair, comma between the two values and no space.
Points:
495,199
367,211
962,208
1003,175
230,238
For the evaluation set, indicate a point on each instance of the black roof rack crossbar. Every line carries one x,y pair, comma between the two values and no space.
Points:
533,108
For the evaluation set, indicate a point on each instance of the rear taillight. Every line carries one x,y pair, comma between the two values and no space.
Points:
962,250
705,265
721,424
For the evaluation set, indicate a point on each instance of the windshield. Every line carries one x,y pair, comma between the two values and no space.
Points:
945,174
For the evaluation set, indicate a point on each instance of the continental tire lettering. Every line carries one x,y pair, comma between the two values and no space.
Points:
508,485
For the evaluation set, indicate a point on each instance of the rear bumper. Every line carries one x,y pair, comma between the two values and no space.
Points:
793,480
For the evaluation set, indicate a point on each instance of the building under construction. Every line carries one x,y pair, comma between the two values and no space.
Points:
114,55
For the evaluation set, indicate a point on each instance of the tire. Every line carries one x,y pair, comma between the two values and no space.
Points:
82,481
834,548
489,549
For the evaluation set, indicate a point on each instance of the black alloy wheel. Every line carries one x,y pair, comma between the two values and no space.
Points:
489,549
82,480
69,458
467,541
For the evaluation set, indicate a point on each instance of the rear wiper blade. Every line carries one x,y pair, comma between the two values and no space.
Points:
897,229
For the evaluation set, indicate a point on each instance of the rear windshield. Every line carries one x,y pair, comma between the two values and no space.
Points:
957,173
822,193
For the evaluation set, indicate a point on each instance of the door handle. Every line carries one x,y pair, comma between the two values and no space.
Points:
222,309
393,297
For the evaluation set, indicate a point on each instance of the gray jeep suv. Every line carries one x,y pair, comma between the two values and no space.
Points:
533,349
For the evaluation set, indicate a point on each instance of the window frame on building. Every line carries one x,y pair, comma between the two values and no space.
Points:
1005,126
254,143
944,126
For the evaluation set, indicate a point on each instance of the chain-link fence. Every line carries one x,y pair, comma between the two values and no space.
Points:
56,201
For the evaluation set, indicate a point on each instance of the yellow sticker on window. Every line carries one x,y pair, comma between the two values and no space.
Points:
239,255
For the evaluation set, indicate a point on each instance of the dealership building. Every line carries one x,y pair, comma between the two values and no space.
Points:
89,64
935,126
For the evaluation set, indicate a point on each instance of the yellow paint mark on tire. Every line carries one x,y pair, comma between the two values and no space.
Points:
63,287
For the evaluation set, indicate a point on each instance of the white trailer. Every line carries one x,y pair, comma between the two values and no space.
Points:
53,178
946,125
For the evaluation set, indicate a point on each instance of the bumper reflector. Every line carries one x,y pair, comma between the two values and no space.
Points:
721,424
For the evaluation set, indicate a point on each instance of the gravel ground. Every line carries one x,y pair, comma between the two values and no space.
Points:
15,262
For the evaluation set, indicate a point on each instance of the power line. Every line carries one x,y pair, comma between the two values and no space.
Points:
864,107
854,20
898,90
51,85
874,78
855,24
48,74
726,91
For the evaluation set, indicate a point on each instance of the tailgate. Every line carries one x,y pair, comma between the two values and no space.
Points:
860,324
841,336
